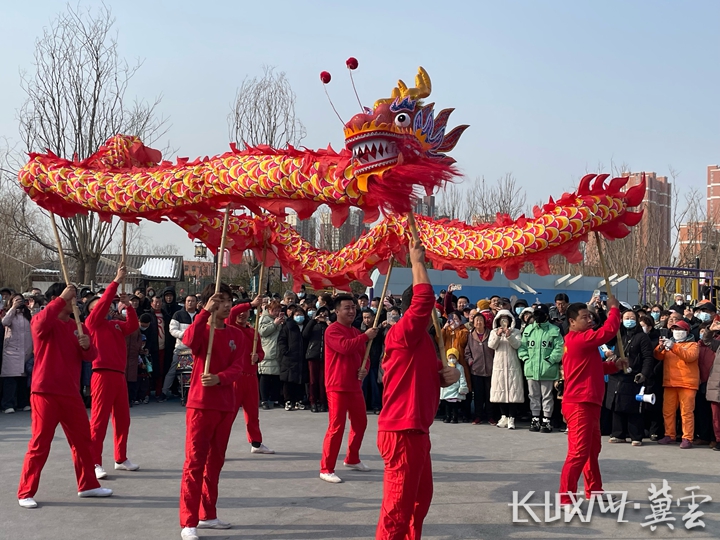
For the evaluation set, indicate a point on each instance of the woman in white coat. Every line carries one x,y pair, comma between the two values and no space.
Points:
17,349
506,386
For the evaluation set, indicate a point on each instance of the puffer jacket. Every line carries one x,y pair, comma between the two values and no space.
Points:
180,322
18,344
541,350
458,390
507,377
457,338
680,365
269,332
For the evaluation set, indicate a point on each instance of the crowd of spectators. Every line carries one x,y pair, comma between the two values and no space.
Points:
509,353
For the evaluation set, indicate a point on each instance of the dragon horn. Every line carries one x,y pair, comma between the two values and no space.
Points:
423,87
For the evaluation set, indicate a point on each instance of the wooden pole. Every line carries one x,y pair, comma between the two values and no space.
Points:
436,322
608,287
123,261
257,318
218,275
377,315
63,267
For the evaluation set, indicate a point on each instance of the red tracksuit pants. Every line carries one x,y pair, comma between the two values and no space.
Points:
206,439
49,410
340,406
109,397
407,484
583,421
247,396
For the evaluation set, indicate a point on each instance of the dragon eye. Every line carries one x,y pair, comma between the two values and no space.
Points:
402,120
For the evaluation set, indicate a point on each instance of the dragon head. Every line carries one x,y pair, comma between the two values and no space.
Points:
399,130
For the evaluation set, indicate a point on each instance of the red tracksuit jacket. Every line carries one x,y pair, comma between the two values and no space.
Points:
226,362
344,350
249,332
584,369
108,336
58,355
411,392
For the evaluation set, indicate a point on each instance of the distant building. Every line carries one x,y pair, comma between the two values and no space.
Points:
713,193
426,206
199,269
331,238
306,228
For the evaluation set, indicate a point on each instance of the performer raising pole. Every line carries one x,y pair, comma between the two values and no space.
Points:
412,380
61,346
210,409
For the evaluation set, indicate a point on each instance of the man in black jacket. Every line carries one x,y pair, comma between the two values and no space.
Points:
370,386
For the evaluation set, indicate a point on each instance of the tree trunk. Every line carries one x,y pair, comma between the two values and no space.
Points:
79,271
91,264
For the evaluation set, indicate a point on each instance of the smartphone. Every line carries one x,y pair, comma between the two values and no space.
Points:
457,288
596,292
504,323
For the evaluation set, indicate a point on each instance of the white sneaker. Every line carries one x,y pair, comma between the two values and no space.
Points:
100,472
262,449
27,408
9,410
511,423
189,533
97,492
330,477
213,524
359,466
27,503
126,465
503,422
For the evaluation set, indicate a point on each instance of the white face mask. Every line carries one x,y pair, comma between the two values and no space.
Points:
680,302
679,335
646,329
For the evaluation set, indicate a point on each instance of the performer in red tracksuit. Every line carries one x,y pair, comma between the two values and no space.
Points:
584,373
344,350
210,411
108,386
412,380
56,399
247,392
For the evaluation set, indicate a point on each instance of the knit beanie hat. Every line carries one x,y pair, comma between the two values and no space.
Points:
454,352
483,304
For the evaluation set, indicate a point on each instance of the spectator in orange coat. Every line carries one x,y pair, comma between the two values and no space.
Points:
681,379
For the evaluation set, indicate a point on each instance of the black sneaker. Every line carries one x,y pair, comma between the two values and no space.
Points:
265,406
654,437
535,424
300,406
546,427
446,420
288,406
314,408
161,398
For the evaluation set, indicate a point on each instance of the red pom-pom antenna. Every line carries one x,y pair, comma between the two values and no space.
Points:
326,78
352,64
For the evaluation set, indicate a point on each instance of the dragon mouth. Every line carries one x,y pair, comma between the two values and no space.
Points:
372,151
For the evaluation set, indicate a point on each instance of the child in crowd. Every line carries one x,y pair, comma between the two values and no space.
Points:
454,394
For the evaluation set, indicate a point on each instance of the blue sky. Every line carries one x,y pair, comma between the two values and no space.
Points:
549,88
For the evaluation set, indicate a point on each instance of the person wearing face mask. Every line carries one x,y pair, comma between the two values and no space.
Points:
108,384
456,336
679,304
655,313
627,417
681,379
293,364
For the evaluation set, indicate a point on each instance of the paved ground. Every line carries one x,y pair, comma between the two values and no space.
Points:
477,468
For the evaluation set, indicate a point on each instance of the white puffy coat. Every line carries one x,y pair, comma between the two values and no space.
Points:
506,385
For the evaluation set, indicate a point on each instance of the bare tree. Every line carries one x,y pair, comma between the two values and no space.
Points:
481,202
75,101
264,112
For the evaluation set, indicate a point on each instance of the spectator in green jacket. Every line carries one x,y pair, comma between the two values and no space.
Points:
541,350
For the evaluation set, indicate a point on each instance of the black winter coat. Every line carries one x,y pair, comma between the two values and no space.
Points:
314,335
168,310
621,388
291,351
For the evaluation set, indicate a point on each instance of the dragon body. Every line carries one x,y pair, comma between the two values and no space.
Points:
393,152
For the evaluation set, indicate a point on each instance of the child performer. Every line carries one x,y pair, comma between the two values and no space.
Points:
413,377
210,411
247,392
55,398
584,373
108,385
